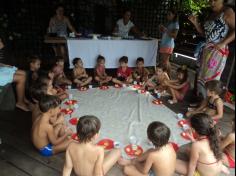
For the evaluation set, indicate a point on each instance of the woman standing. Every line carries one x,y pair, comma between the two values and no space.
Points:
169,34
58,24
219,31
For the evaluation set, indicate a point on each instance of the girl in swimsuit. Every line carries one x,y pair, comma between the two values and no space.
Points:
206,155
228,147
213,104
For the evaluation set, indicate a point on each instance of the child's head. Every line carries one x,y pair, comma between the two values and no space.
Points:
44,79
214,87
160,69
50,104
182,75
37,91
34,63
101,60
140,62
159,134
60,61
172,15
88,128
77,62
203,125
124,61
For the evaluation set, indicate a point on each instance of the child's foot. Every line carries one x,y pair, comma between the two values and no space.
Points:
172,101
124,162
23,107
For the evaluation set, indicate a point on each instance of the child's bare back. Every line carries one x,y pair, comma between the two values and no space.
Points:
84,158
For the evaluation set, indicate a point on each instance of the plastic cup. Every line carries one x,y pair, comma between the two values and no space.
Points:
186,127
90,86
70,96
180,116
117,145
135,82
69,87
158,95
124,85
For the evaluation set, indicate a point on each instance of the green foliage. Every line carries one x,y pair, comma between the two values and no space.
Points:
195,6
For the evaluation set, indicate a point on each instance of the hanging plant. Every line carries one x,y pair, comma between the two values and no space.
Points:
194,6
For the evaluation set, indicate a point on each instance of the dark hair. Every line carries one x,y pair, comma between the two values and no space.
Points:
76,60
43,79
87,127
140,59
215,86
174,12
127,10
124,59
37,91
204,126
33,59
100,58
162,66
158,133
183,71
59,59
48,102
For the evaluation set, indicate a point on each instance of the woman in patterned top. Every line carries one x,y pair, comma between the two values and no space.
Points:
219,30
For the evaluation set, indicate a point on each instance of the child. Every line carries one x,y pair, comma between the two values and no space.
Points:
158,79
124,73
151,162
59,75
34,66
140,73
178,88
45,80
228,147
80,76
169,34
85,157
213,104
100,74
205,157
48,136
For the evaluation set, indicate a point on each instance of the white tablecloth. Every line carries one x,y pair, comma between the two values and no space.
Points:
88,50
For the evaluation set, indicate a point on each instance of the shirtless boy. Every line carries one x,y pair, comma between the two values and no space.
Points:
47,137
80,77
84,156
151,162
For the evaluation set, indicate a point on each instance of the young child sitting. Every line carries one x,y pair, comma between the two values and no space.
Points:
157,80
124,73
85,157
80,76
50,90
228,147
178,88
59,75
34,66
100,73
213,104
140,73
49,136
151,162
205,155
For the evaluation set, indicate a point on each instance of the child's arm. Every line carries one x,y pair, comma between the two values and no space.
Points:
68,166
194,156
175,86
53,139
145,168
219,110
229,139
98,170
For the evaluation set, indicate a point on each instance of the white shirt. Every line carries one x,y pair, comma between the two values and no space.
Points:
123,30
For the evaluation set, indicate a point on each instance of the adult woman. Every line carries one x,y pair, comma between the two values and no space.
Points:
9,74
58,24
124,26
219,30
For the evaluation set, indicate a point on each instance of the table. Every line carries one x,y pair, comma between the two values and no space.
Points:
88,50
54,40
